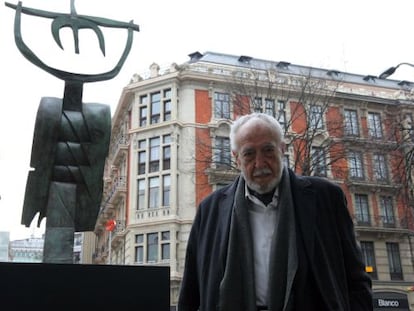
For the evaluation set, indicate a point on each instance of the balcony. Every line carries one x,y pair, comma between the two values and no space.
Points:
119,232
371,185
119,148
220,175
371,143
118,189
381,225
152,214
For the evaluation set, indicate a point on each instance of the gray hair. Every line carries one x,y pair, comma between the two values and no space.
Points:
273,124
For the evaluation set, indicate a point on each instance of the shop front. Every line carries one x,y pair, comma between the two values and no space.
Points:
390,301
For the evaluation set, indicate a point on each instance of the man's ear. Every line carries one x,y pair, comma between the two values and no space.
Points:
236,156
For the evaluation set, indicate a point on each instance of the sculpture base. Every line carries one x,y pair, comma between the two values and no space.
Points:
46,286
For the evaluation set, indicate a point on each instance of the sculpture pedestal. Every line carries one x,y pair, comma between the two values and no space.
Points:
46,286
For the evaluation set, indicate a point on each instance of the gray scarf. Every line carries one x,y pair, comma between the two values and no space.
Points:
237,288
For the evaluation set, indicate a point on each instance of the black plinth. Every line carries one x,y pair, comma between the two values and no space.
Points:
45,286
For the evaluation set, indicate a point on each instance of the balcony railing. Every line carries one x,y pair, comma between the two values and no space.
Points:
152,213
119,185
119,144
380,221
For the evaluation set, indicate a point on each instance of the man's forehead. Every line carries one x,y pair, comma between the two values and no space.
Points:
258,145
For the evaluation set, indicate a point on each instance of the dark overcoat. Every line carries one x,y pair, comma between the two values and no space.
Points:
331,275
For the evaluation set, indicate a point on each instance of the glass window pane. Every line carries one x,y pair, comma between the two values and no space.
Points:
222,105
154,161
139,238
139,254
154,185
165,249
152,247
166,190
362,209
141,194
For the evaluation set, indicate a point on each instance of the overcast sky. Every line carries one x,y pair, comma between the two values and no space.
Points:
363,37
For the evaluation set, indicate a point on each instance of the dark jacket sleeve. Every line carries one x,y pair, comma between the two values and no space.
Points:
206,252
338,265
359,282
189,297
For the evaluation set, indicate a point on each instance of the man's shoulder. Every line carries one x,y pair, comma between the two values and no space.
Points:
219,193
314,181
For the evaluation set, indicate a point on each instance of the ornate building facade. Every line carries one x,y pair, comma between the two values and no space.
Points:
170,148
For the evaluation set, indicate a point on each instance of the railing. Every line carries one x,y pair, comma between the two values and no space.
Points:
151,213
120,184
121,142
120,225
379,221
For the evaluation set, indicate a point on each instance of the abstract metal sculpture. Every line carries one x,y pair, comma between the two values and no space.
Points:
70,141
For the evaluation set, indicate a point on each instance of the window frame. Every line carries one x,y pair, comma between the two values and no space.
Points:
351,123
374,124
221,105
356,165
362,209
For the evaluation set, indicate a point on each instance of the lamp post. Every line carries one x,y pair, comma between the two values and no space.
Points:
408,163
110,226
391,70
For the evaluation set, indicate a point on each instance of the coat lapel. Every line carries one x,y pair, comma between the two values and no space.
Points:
305,209
225,211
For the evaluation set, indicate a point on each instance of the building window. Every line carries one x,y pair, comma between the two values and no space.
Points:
368,254
141,194
154,160
387,211
281,113
143,113
151,158
167,105
142,144
270,107
154,192
319,161
394,261
166,190
374,125
222,154
166,152
139,248
380,167
152,247
142,156
351,122
142,160
155,107
315,117
356,170
362,209
143,110
257,105
165,245
222,105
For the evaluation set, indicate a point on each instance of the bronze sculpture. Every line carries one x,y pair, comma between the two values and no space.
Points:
70,141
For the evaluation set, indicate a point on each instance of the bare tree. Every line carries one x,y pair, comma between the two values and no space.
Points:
303,105
402,127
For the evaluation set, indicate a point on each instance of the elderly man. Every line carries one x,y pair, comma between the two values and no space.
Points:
272,240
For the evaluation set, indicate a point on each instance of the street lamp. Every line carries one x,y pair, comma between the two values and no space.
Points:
391,70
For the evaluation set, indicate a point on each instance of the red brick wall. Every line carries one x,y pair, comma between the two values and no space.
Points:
203,113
